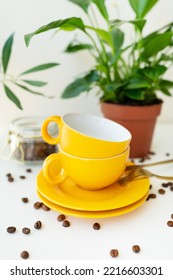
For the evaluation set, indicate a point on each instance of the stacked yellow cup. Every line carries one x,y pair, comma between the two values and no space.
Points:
93,150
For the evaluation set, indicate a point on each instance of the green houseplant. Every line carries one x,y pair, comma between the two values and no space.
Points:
21,81
127,75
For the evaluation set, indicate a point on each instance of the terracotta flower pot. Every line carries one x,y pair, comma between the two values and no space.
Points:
139,120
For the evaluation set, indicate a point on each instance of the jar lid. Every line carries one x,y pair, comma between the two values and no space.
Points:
30,126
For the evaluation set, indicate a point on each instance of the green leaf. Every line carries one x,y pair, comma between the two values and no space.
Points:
6,52
69,24
156,43
135,83
39,68
75,47
80,85
31,91
84,4
104,35
102,8
166,83
117,38
35,83
154,72
139,23
12,97
135,94
142,7
165,57
165,91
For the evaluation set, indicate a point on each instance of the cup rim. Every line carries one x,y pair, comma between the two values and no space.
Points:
96,159
127,138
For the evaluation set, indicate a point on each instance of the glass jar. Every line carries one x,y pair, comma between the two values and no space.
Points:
25,140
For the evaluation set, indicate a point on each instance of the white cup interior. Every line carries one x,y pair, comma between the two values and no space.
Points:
97,127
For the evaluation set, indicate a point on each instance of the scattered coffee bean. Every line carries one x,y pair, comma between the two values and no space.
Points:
11,229
136,248
24,255
170,223
172,216
25,200
114,253
152,153
45,208
26,230
171,189
96,226
37,204
168,184
61,217
151,195
66,223
28,170
8,175
151,187
38,225
22,177
10,179
161,191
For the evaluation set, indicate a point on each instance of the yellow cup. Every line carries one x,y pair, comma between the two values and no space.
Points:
88,173
89,136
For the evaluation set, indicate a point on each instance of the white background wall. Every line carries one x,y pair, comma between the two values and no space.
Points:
24,16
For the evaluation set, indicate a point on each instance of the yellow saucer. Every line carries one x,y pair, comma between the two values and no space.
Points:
92,214
70,195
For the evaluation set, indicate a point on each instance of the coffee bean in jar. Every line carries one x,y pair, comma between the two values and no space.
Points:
25,140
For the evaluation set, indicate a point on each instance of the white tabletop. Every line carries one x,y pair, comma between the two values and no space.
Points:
146,226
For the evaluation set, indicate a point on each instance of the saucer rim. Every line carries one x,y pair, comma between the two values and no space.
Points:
114,202
93,214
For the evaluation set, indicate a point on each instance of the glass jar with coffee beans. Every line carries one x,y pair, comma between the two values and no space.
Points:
25,142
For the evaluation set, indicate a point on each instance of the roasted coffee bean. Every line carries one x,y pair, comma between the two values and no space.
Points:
151,195
96,226
170,223
10,179
136,248
24,255
151,187
11,229
66,223
26,230
45,208
37,204
28,170
22,177
25,200
165,185
172,216
152,153
161,191
8,175
61,217
171,189
114,253
38,225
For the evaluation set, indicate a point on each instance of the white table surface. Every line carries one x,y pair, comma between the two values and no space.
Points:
145,226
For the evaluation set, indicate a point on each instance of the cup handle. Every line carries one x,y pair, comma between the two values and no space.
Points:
52,169
44,130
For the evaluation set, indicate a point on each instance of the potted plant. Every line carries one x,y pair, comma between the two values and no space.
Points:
21,81
127,75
